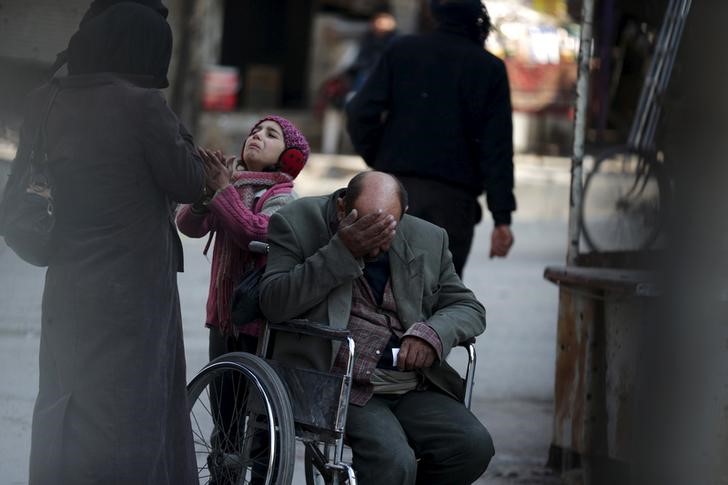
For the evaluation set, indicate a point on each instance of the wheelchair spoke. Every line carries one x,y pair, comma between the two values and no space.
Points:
199,433
233,411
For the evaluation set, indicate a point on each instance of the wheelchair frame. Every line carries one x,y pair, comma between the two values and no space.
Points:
314,456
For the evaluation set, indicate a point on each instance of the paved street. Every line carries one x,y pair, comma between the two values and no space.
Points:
514,382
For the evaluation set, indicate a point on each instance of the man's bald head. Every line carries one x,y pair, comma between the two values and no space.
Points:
371,192
369,213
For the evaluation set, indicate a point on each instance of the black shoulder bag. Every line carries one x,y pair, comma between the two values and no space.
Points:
26,209
245,308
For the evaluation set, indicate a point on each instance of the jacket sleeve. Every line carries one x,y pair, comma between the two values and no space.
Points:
240,223
193,224
457,315
170,152
495,147
292,283
366,111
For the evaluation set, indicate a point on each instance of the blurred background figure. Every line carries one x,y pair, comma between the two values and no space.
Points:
339,88
382,29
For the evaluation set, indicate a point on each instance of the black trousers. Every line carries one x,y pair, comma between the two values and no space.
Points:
447,206
228,396
228,393
421,437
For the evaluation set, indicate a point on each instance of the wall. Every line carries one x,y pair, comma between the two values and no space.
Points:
35,30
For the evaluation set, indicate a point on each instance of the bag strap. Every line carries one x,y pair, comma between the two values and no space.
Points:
38,154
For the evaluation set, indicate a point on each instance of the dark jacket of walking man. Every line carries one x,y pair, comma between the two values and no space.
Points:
436,112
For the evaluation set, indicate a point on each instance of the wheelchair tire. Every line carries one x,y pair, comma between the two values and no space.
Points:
233,434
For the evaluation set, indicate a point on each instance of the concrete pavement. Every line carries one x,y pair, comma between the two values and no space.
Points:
514,381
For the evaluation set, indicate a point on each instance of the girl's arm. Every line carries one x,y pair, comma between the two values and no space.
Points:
241,224
193,223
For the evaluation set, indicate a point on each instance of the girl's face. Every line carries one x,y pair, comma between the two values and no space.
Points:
264,146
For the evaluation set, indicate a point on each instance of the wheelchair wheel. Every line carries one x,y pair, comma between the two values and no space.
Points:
622,206
242,423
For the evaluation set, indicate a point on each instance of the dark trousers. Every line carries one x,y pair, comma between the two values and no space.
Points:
450,207
220,344
390,433
228,396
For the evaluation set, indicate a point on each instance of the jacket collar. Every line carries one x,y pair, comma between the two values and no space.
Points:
407,270
459,31
401,248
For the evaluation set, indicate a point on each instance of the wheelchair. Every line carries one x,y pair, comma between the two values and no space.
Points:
247,411
270,406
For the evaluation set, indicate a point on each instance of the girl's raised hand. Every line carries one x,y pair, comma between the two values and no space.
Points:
218,172
229,162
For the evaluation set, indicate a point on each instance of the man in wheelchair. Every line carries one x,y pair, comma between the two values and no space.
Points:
355,260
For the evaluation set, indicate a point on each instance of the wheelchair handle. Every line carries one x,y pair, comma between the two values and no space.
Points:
467,343
258,247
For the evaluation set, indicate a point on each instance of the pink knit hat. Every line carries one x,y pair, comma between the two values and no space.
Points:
295,156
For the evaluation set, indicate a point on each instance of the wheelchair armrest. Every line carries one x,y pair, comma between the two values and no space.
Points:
305,327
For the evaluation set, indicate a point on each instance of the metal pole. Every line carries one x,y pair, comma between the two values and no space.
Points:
582,99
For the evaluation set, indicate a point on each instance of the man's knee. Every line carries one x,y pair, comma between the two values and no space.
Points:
382,455
475,449
396,466
401,463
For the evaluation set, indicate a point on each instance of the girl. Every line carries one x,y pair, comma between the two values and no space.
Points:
246,193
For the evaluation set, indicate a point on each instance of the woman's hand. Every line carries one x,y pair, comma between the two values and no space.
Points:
218,170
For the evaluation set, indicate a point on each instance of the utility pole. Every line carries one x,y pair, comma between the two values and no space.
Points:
185,96
580,122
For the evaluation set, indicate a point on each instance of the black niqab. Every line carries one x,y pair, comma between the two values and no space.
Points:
98,7
127,39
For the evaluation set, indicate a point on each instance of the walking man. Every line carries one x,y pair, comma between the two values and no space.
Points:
436,113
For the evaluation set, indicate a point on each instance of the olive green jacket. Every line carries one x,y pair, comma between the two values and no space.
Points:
310,273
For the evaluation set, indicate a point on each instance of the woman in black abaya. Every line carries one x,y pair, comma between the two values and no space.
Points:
111,407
